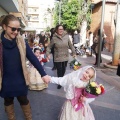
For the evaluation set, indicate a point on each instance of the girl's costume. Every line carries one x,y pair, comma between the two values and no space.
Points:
70,82
36,82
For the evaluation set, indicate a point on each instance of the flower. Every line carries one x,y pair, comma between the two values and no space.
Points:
93,89
76,63
93,84
102,88
98,90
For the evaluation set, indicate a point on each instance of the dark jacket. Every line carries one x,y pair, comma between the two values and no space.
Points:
76,38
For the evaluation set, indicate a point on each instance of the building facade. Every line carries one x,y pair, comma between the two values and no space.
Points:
15,7
109,18
40,14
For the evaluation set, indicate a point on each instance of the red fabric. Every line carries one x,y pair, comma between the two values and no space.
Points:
43,60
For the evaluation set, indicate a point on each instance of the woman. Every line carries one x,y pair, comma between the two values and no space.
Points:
96,44
52,49
31,40
118,69
61,43
76,37
14,77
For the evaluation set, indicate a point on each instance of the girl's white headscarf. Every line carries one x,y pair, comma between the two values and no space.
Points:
76,82
80,72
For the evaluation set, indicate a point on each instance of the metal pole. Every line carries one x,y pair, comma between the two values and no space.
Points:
101,32
59,11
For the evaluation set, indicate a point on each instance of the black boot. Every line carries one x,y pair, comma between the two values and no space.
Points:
59,86
54,68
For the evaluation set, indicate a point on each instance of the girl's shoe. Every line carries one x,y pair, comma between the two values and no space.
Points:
59,86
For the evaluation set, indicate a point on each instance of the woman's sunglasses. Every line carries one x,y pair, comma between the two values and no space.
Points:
14,29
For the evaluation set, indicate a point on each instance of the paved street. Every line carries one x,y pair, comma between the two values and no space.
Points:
46,104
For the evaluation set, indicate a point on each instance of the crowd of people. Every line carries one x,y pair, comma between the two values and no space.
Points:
16,77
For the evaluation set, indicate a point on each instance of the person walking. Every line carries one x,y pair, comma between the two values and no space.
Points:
52,49
118,68
61,43
90,42
76,38
96,43
14,76
42,38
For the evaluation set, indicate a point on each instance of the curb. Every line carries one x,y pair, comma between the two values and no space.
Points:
110,66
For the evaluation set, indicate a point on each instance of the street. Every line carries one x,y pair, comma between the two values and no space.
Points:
46,104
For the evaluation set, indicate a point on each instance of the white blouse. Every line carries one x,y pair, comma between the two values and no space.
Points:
69,82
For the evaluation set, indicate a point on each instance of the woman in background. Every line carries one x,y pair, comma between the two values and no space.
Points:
61,43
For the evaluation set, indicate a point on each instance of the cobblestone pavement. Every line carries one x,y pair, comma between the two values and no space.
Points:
46,104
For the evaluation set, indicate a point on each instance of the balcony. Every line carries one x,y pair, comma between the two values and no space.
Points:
33,18
33,10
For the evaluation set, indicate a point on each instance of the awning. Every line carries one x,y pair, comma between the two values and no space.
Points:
29,29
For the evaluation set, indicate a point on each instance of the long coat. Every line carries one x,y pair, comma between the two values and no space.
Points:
61,46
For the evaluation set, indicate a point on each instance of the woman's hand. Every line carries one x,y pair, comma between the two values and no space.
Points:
46,79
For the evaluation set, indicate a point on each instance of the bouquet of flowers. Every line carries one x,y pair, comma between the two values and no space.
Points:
74,64
92,90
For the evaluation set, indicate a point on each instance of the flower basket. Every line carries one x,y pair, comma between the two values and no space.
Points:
74,64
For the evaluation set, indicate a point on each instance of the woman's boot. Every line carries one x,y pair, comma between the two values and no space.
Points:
27,111
10,112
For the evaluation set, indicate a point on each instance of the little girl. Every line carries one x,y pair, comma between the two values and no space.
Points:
71,82
36,82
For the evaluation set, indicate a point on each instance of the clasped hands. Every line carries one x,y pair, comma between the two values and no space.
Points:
46,79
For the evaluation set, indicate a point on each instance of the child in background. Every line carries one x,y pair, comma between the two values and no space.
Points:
42,52
36,82
37,39
42,48
76,79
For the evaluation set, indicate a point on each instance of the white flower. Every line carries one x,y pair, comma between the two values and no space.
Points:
76,63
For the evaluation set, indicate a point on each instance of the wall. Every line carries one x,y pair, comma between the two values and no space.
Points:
109,26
